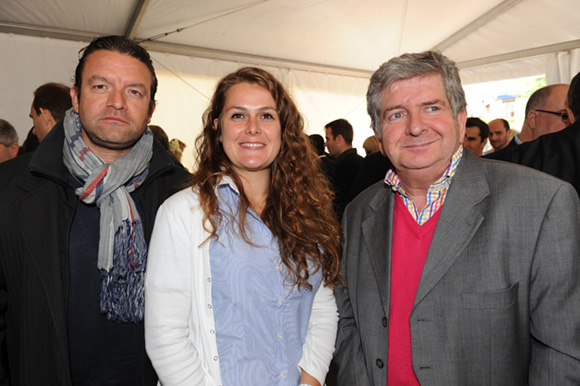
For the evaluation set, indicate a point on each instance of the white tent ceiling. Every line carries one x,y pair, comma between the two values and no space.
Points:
344,36
324,50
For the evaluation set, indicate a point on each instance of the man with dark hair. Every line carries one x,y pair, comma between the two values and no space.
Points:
476,133
51,101
545,113
77,215
499,134
339,135
326,162
8,141
556,153
457,270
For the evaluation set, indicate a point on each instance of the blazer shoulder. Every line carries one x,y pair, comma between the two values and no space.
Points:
507,171
370,199
508,182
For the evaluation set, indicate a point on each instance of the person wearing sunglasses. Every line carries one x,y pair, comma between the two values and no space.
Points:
545,113
556,153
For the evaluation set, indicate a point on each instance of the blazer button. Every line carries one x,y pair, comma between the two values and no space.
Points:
379,363
385,322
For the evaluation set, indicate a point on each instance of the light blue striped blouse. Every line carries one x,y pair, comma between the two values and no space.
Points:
261,322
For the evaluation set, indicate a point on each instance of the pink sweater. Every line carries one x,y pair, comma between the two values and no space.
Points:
411,243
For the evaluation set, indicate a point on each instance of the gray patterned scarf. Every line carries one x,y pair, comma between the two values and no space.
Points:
122,246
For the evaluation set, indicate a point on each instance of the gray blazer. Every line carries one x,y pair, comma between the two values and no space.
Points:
499,298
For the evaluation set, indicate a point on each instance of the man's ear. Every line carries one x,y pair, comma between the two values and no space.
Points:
74,93
381,146
47,117
532,119
14,149
151,113
570,114
461,121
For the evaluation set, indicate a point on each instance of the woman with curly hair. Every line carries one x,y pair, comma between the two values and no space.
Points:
243,264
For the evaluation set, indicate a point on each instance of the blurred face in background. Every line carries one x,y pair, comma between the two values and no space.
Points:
498,134
473,141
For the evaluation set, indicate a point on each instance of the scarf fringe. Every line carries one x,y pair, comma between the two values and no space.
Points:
123,286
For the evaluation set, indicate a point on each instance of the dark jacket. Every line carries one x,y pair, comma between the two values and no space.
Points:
346,169
556,153
37,208
374,169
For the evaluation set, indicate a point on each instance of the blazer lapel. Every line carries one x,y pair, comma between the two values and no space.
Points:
377,236
458,221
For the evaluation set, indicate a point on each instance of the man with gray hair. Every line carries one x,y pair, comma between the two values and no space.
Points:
8,141
451,276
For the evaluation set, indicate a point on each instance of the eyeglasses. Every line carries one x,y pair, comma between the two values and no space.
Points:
563,116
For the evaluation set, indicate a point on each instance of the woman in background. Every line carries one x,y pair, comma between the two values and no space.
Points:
371,145
243,264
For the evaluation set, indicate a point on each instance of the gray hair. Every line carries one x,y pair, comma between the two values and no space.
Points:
7,133
409,66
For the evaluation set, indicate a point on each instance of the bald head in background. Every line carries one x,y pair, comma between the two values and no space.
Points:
545,112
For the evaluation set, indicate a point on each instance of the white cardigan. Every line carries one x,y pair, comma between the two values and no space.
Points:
179,321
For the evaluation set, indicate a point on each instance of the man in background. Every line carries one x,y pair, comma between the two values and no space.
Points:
8,141
545,113
476,133
339,135
51,101
326,162
499,133
555,153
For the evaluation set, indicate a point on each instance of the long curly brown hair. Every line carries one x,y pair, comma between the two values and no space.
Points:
298,208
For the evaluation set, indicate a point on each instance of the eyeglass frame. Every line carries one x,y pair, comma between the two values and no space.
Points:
563,115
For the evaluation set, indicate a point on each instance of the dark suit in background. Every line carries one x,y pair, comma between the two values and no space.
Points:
346,168
373,169
557,154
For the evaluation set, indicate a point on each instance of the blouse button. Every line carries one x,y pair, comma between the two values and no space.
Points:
209,306
209,279
215,358
283,376
279,267
279,336
212,331
280,302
